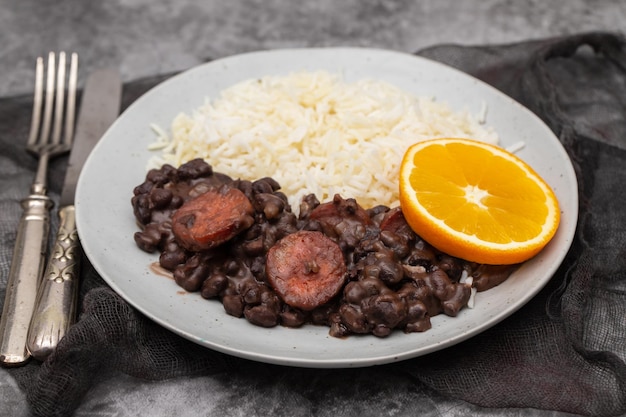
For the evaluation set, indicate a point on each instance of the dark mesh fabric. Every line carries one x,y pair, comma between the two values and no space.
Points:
564,351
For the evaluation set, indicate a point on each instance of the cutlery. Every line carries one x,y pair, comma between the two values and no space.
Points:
55,306
32,233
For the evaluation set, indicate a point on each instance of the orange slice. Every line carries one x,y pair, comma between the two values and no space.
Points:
476,201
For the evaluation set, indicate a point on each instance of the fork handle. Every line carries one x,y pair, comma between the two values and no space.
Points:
55,307
27,265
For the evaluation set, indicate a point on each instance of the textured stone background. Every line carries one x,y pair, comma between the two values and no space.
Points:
147,37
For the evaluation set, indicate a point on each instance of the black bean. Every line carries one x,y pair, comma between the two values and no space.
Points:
488,276
381,330
417,318
161,198
233,304
269,204
457,299
143,188
263,186
231,267
271,182
254,247
142,208
214,285
292,317
160,176
193,169
384,266
418,326
245,187
421,254
324,315
354,292
440,284
191,274
384,309
451,265
308,203
263,315
377,210
353,319
252,293
150,238
338,329
397,243
172,256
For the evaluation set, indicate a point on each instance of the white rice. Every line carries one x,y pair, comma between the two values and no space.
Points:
314,133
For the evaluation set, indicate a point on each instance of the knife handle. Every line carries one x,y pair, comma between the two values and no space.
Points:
27,264
55,308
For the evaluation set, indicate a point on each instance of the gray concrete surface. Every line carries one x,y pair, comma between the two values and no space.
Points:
147,37
150,37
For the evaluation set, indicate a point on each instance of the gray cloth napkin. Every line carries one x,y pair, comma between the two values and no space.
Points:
564,351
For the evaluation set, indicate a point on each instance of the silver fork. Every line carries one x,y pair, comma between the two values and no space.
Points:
49,136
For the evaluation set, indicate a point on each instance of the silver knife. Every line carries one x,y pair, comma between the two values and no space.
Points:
55,305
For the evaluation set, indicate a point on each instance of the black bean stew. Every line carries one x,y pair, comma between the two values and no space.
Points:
392,279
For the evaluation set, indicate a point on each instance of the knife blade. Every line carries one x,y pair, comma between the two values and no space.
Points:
57,295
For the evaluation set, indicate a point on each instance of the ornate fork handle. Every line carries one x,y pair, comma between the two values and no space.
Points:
24,277
57,295
51,134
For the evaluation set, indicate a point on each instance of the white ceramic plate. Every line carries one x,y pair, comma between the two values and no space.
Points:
118,163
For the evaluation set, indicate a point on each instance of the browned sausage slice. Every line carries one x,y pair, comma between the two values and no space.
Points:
212,218
394,221
339,210
306,269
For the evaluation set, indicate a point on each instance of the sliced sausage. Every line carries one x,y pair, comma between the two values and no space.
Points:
306,269
212,218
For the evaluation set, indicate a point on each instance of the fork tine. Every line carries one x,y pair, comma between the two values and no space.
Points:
71,100
59,102
47,113
37,101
